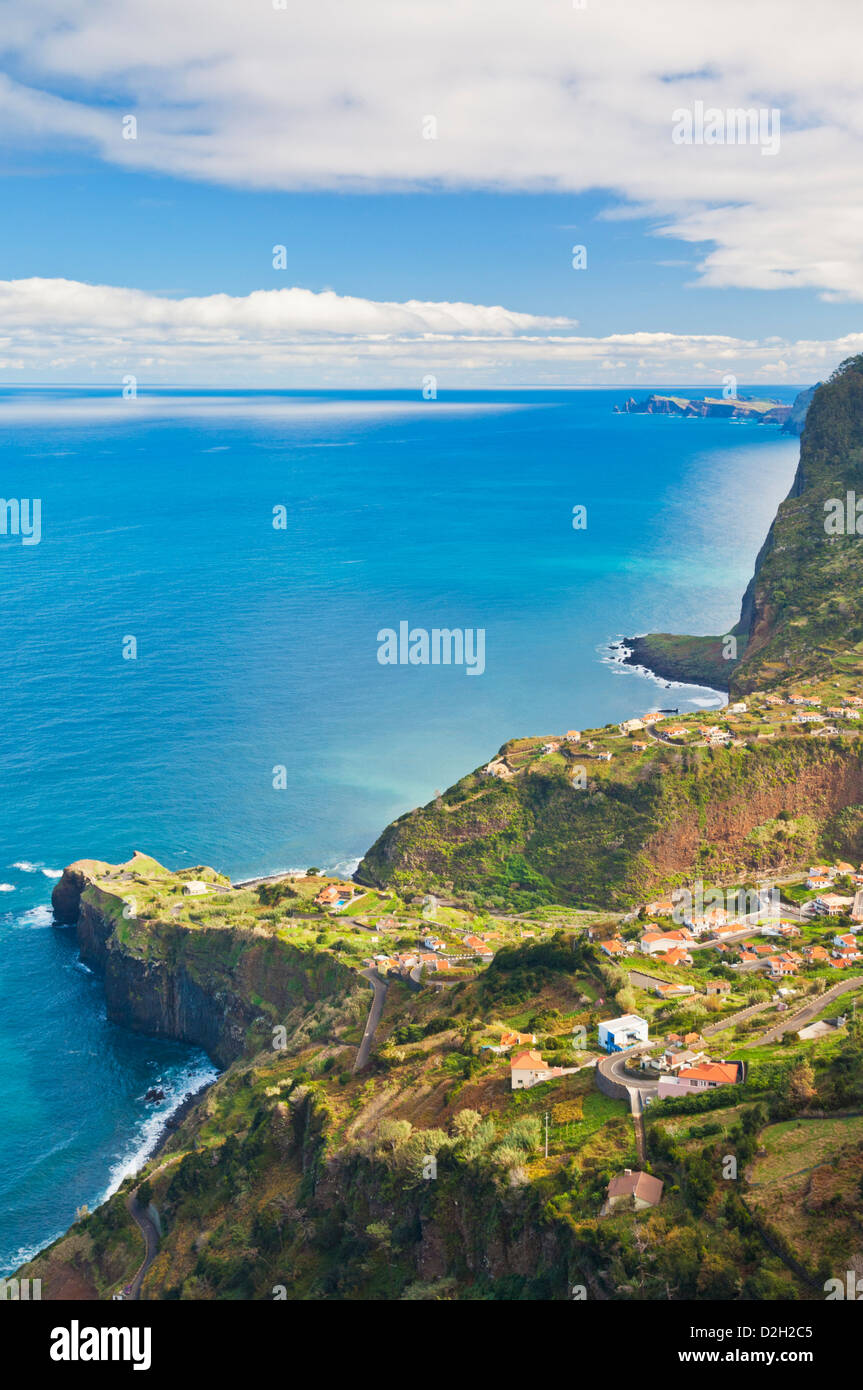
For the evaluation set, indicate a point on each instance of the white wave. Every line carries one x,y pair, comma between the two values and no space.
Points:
190,1080
7,887
345,867
26,867
52,873
40,916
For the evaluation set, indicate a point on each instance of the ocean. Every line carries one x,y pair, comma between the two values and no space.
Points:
167,648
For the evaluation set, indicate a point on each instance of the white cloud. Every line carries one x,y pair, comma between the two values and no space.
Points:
537,95
56,330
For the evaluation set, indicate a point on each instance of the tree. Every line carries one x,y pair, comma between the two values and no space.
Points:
800,1088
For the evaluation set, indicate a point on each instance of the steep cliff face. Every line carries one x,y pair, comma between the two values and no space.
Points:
712,813
797,419
803,609
204,985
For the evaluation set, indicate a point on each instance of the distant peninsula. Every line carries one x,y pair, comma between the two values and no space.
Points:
762,411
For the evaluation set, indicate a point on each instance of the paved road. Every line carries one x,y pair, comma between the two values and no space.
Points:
613,1067
798,1020
374,1018
147,1227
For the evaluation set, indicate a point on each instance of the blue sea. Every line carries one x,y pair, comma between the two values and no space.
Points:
257,649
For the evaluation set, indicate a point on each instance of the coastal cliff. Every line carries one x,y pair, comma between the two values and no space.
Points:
642,815
802,607
200,969
765,412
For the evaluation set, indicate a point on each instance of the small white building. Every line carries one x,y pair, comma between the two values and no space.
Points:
195,887
528,1068
617,1033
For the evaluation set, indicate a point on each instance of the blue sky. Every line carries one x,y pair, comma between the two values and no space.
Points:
308,128
179,238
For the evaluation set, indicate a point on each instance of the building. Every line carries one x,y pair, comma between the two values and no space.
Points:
617,1033
642,1188
673,1058
706,1076
677,956
655,943
331,895
815,954
614,948
717,987
780,966
662,908
667,989
517,1039
433,943
845,939
526,1069
194,887
480,947
833,904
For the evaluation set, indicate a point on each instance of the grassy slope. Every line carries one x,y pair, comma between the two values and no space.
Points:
295,1175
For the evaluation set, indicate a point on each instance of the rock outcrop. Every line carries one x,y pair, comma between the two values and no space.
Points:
207,985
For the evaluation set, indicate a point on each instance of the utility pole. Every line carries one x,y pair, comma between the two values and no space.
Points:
546,1134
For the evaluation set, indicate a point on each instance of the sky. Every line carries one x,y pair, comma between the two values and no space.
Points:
274,193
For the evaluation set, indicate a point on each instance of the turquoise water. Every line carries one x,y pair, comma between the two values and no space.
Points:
257,648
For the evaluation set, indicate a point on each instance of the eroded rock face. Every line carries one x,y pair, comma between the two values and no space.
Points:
66,897
204,985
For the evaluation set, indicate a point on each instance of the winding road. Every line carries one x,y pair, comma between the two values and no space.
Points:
374,1018
147,1226
798,1020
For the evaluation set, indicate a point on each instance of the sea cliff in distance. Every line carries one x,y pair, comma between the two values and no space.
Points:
764,412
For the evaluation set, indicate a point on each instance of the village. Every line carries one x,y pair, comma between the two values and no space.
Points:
832,709
773,959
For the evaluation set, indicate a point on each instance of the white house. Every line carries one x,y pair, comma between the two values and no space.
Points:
528,1068
195,886
656,943
617,1033
703,1077
433,943
832,904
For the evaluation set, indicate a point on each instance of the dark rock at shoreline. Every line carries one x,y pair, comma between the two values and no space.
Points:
688,660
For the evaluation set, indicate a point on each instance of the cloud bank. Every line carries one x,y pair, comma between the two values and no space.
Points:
65,330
